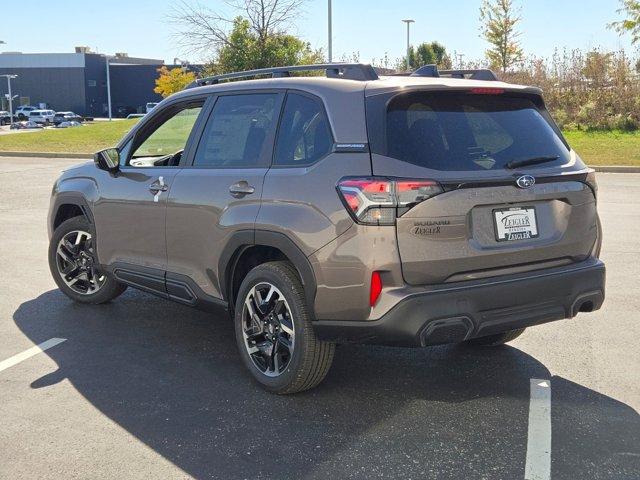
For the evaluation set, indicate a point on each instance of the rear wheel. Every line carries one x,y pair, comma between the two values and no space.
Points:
74,266
497,339
274,332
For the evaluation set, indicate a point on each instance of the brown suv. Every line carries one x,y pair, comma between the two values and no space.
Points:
413,210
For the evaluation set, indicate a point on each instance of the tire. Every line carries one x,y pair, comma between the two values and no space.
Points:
311,358
497,339
106,288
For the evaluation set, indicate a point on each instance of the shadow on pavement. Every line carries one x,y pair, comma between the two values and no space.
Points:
172,377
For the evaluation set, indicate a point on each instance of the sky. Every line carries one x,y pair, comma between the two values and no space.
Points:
368,28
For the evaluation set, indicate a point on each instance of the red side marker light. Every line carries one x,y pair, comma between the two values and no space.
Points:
376,288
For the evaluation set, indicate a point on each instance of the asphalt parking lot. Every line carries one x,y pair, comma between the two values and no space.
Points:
143,388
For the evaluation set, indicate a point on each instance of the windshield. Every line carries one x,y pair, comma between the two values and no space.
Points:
461,131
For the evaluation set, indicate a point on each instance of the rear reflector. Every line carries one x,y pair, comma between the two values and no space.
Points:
376,288
377,200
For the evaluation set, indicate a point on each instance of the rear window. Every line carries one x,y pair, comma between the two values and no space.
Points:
455,132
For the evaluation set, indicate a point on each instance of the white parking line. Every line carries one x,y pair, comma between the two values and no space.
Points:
538,466
11,361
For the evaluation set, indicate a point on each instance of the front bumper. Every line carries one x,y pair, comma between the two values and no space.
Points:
457,312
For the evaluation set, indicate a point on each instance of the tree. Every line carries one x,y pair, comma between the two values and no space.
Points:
426,53
172,81
631,24
253,39
247,52
499,27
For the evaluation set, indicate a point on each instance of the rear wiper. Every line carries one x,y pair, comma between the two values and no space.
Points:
531,161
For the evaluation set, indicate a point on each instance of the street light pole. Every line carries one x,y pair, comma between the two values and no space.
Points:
408,21
330,47
9,77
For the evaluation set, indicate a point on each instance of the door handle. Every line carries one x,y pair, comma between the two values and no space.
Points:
240,189
157,188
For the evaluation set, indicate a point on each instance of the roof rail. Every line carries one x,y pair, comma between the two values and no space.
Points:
432,71
346,71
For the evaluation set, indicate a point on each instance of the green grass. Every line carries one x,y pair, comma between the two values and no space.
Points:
606,148
595,148
86,139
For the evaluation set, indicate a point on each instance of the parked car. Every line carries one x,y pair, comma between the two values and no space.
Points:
432,208
23,112
123,111
42,116
25,125
150,106
60,117
5,118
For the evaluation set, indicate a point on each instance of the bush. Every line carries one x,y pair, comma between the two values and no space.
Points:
595,90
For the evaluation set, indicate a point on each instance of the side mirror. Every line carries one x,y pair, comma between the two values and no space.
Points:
107,159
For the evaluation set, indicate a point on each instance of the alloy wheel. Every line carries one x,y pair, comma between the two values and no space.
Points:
76,263
268,329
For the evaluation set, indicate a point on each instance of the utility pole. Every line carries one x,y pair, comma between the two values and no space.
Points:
107,58
408,21
330,47
9,78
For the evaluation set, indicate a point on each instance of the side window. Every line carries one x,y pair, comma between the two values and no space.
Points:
304,136
165,144
235,134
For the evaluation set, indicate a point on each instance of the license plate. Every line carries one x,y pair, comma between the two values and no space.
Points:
517,223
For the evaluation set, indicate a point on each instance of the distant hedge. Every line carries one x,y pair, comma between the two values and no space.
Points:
596,90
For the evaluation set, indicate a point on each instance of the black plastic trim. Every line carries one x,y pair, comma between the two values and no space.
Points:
494,306
70,198
297,257
243,239
168,285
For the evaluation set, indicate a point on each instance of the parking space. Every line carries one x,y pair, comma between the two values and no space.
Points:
144,388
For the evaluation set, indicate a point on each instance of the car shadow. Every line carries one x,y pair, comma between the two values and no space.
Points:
172,377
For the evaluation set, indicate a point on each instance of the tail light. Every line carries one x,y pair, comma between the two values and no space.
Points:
379,200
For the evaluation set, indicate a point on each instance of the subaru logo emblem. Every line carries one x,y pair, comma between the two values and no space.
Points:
526,181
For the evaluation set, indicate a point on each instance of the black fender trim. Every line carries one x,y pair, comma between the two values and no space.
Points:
297,257
243,239
70,198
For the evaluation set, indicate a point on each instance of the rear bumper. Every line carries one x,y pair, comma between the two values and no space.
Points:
457,312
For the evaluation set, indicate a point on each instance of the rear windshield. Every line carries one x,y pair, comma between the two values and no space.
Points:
457,131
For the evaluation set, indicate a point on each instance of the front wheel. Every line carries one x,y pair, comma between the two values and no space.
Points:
274,332
74,266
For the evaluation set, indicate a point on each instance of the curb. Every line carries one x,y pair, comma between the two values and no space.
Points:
89,156
617,169
85,156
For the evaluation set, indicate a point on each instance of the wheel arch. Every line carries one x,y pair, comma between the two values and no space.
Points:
247,249
68,205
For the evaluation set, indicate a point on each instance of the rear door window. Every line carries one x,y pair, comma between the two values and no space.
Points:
453,132
239,132
304,136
